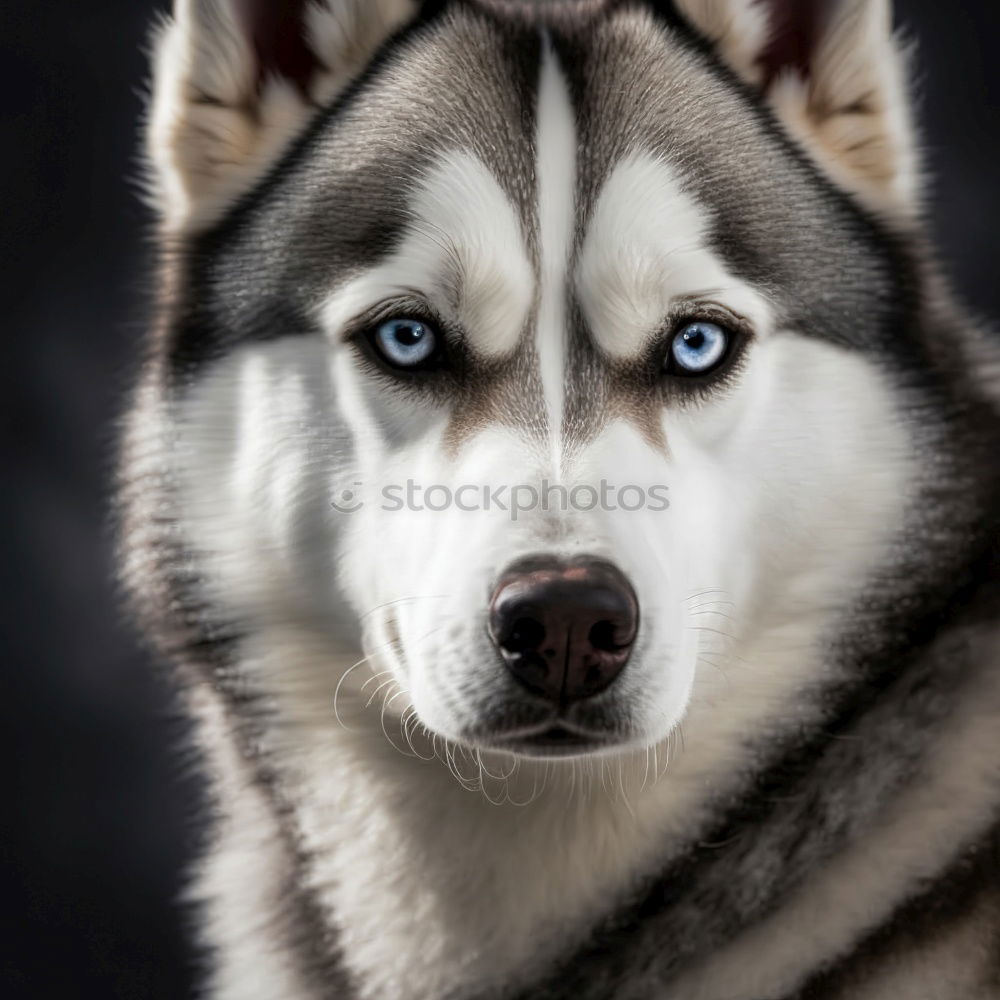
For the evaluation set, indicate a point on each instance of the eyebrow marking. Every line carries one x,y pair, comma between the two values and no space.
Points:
463,250
646,251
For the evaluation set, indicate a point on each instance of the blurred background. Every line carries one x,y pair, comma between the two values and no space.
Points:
99,813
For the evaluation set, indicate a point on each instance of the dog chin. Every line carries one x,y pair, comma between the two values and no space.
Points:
561,741
549,740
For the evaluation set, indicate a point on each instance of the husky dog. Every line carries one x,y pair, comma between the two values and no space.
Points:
710,712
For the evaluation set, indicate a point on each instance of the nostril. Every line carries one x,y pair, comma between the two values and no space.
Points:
604,636
525,634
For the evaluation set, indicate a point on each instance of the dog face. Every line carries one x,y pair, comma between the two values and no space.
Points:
552,369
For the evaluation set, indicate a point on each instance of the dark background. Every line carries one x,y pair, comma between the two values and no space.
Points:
96,816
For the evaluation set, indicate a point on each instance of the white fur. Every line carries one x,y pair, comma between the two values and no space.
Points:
557,149
242,881
645,252
463,234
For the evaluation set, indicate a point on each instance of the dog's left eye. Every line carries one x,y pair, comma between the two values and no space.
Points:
697,348
405,342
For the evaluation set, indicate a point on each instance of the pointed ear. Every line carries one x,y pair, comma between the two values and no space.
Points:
235,80
836,78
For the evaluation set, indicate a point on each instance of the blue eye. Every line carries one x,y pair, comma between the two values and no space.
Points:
697,348
404,342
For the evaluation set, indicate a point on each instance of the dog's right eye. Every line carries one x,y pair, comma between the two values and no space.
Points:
406,343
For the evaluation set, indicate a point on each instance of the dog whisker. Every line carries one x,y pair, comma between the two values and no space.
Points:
403,600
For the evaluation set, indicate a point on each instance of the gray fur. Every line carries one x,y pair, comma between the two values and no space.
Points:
917,646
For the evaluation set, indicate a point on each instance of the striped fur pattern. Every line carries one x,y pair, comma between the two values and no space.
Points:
796,792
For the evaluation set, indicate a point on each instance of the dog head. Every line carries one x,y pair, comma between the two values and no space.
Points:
547,358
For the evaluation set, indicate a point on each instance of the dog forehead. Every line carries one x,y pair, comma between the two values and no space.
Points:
642,87
344,201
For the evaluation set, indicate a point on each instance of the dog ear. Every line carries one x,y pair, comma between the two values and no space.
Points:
235,80
835,76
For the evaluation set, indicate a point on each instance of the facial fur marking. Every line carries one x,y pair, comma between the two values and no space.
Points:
464,251
556,152
645,249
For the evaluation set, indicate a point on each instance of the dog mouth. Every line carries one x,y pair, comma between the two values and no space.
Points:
553,739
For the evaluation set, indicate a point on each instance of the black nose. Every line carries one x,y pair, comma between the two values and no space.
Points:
564,628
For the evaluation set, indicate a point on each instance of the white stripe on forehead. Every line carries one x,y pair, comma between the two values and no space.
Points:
646,247
463,251
556,152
